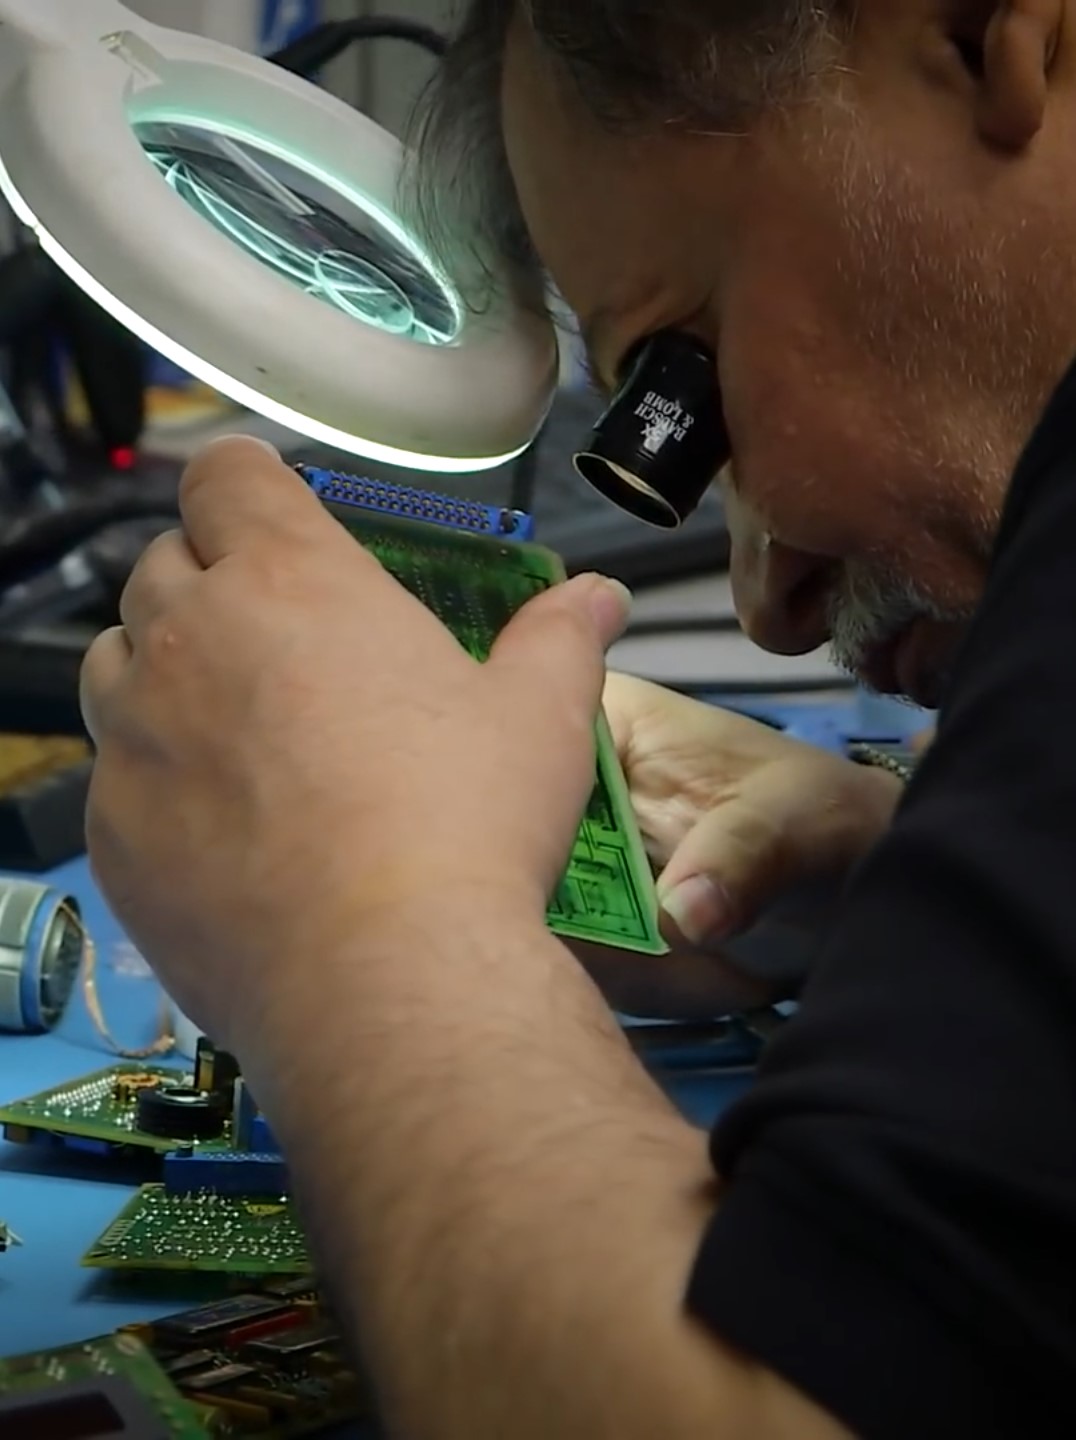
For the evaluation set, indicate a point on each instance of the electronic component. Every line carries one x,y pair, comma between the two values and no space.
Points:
385,498
294,1287
41,945
250,1364
127,1085
181,1112
474,584
215,1070
107,1389
217,1377
225,1172
290,1347
244,1111
217,1320
187,1363
238,1235
262,1139
250,1129
275,1370
186,1378
661,443
99,1112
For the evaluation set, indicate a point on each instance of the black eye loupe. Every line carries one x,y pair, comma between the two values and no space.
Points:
662,440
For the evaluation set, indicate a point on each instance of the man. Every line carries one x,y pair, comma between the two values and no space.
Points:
868,211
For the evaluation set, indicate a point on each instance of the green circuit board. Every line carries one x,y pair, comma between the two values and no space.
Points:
475,584
99,1107
202,1232
245,1366
78,1389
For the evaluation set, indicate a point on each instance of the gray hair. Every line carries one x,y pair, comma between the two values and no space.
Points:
712,63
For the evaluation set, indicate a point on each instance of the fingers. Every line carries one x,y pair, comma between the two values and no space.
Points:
558,641
103,669
630,703
733,862
164,570
238,490
790,829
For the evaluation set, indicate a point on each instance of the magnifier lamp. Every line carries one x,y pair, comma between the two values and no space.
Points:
245,224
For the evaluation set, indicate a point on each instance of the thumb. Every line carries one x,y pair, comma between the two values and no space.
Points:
559,639
736,860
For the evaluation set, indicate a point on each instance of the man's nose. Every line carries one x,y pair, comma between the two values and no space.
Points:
781,594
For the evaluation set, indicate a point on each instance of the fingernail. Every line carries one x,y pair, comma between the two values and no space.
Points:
610,603
699,908
619,589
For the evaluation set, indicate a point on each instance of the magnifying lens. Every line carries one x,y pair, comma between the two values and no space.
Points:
244,223
661,442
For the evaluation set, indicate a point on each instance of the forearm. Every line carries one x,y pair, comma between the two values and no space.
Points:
508,1206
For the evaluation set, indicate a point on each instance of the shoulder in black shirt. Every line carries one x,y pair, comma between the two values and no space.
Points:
897,1231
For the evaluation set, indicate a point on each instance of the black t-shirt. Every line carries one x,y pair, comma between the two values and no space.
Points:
897,1231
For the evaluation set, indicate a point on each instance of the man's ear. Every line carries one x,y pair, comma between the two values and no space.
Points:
1009,47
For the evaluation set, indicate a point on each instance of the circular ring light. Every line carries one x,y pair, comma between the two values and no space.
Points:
244,224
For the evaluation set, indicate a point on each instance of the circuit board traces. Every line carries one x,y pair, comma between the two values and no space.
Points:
204,1231
475,584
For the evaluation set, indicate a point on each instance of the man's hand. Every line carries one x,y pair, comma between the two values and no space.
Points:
752,834
288,742
333,834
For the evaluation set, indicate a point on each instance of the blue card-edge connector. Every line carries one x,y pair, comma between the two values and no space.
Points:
380,497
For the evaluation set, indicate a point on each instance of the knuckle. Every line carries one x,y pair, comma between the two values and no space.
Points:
144,573
197,474
94,657
762,841
270,568
162,544
220,461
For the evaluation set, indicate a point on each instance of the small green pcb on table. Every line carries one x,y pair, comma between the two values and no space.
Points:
246,1367
475,583
111,1386
101,1108
204,1231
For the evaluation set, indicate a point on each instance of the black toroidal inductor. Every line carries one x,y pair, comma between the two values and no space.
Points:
179,1112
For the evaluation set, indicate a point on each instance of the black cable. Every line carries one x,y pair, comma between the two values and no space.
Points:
704,689
660,625
37,544
307,55
111,366
649,626
30,286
